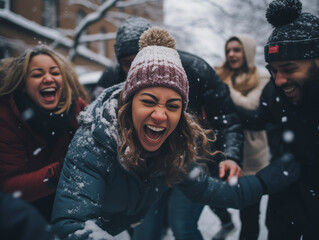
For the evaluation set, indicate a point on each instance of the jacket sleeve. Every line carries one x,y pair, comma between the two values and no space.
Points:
199,187
13,175
80,191
222,115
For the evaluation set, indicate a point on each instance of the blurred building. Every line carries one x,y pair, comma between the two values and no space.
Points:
24,24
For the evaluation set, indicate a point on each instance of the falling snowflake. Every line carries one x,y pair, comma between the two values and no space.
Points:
17,194
194,173
284,119
36,152
288,136
233,181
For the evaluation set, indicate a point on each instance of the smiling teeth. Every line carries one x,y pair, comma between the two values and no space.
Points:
155,129
288,90
48,90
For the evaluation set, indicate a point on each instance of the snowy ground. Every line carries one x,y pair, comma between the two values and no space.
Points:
209,224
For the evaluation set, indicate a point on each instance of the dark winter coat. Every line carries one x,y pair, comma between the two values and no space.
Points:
209,98
294,128
96,189
21,221
26,157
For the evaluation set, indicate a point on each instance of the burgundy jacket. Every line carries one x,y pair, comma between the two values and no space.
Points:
25,157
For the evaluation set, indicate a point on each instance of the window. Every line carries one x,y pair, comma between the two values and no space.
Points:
102,49
50,13
5,4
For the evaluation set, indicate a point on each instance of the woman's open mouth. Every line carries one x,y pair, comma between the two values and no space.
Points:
48,94
153,134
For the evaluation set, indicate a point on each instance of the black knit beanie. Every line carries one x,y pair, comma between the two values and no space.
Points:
295,35
128,35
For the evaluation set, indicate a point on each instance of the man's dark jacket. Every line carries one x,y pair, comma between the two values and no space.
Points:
295,129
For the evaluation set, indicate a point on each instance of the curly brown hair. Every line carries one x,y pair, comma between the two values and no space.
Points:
187,144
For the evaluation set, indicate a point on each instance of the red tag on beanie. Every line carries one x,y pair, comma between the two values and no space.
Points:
273,49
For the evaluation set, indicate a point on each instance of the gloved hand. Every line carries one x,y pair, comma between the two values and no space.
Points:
279,173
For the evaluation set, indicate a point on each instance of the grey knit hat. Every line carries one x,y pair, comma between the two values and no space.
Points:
295,35
157,64
128,35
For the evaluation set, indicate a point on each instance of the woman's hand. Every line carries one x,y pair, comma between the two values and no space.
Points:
229,169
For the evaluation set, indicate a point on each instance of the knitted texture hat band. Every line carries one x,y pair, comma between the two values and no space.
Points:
292,50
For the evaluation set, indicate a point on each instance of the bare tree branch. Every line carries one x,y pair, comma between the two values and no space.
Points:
88,20
97,37
132,3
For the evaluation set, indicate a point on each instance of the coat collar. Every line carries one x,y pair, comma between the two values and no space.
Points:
102,116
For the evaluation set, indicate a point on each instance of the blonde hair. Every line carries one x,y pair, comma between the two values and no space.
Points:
14,72
187,144
229,75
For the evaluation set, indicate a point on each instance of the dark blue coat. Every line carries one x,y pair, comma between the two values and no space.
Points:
19,220
96,189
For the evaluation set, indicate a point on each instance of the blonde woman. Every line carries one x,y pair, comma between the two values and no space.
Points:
40,98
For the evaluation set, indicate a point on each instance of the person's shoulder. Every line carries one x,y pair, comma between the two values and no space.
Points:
80,104
195,66
8,107
189,57
263,73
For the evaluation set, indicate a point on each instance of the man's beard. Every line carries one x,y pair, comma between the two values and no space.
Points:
313,74
311,85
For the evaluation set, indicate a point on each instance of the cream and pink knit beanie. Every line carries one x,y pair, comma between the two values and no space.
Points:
157,64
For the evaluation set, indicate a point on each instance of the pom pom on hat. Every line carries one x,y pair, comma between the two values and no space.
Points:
295,35
156,37
282,12
157,64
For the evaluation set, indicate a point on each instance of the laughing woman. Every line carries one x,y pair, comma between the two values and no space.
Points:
40,98
135,142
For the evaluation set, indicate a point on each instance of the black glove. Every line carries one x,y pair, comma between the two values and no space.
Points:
279,173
